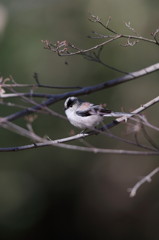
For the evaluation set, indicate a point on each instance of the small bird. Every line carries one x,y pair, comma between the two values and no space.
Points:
86,115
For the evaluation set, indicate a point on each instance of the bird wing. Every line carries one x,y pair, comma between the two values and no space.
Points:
93,110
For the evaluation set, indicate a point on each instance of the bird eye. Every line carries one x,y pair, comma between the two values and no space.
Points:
70,102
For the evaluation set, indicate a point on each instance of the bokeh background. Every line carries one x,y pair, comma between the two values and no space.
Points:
56,193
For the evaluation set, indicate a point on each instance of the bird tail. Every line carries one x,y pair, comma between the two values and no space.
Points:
118,114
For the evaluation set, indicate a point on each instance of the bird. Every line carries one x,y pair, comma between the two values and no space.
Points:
86,115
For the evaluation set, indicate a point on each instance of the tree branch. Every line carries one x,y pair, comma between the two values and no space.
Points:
79,148
145,179
85,90
4,123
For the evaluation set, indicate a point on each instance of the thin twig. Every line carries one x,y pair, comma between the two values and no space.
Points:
148,138
29,94
142,108
45,109
17,85
77,51
95,57
146,123
137,144
145,179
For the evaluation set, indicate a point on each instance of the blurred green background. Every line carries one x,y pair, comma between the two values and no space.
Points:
76,195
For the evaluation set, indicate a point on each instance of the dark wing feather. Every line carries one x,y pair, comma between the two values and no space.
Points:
93,110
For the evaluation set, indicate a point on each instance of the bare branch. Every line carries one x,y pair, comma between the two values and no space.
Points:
128,25
148,138
19,130
30,94
86,90
13,84
95,57
155,36
64,48
142,108
59,142
17,85
145,179
79,148
55,87
96,19
146,123
136,143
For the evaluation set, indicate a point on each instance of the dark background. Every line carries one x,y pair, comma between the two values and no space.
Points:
70,194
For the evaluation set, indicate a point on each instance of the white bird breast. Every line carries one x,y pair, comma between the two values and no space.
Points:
83,122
